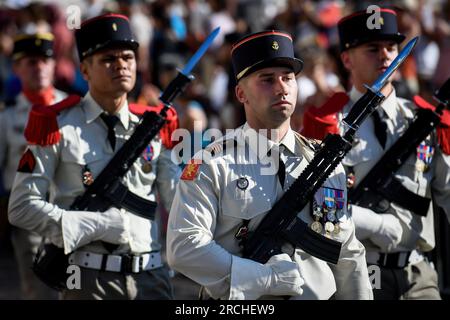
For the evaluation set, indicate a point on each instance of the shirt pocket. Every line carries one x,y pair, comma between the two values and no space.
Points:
244,204
415,175
80,159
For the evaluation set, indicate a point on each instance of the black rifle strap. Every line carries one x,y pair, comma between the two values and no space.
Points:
121,197
395,192
380,127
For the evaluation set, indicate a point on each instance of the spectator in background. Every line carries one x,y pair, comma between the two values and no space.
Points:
442,37
34,65
142,29
220,17
317,83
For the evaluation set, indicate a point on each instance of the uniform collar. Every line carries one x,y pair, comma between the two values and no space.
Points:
261,145
389,104
93,111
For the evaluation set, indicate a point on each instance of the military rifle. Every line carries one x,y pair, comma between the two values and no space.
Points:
281,224
50,264
380,183
107,190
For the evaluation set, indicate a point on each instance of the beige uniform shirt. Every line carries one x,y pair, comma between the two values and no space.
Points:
209,209
12,141
59,169
418,232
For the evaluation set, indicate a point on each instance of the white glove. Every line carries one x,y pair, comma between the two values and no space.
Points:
251,280
83,227
384,230
111,226
390,233
285,276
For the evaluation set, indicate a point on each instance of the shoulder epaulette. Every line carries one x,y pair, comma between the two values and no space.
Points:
166,131
334,104
443,130
313,144
422,103
42,127
318,122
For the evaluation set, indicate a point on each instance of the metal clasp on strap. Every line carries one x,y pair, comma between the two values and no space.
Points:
131,263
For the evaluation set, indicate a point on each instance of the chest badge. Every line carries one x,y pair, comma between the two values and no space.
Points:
87,177
147,155
242,183
328,205
27,162
424,157
191,171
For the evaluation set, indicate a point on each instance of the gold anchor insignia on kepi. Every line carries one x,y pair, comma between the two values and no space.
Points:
114,26
275,45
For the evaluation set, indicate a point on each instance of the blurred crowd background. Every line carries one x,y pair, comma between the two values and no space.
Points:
170,31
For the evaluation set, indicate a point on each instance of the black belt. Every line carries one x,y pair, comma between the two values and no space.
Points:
121,197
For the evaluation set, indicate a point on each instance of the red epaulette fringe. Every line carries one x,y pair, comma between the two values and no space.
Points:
42,127
319,122
166,131
443,130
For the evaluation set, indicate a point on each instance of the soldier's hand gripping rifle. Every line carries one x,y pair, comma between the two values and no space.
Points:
380,183
107,189
50,264
281,223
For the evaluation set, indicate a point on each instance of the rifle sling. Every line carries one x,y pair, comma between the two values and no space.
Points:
395,192
121,197
300,235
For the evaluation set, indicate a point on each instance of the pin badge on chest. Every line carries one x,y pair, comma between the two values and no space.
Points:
87,177
316,226
242,183
424,157
329,227
148,156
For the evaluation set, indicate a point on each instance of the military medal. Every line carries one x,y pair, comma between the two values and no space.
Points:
242,232
424,157
350,180
87,177
242,183
317,212
331,216
329,227
420,166
147,167
148,156
337,229
330,210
